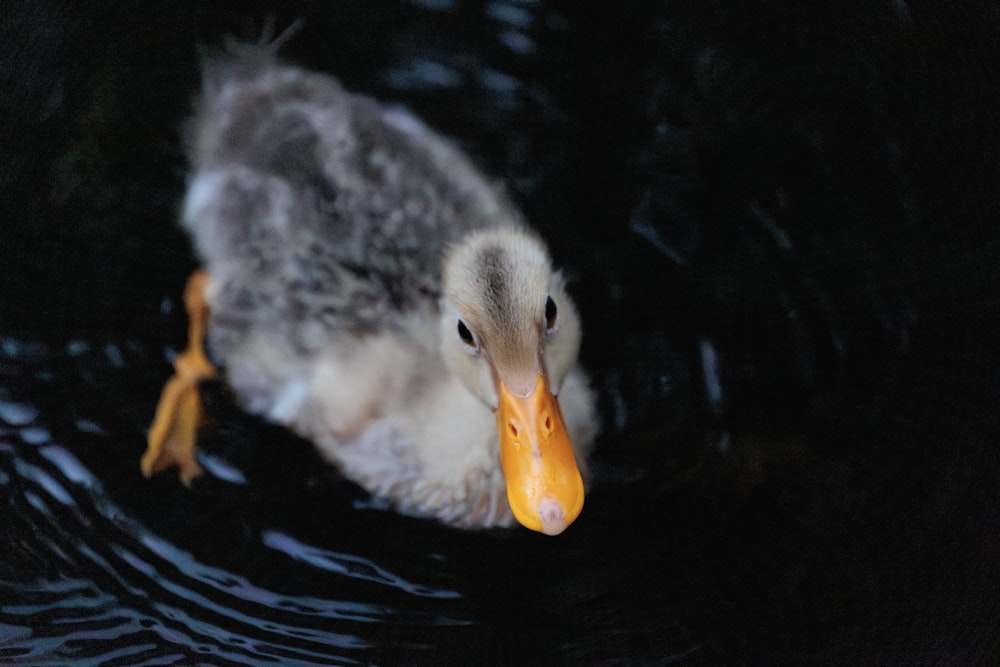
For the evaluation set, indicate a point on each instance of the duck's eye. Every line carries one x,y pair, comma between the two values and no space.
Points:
550,315
468,340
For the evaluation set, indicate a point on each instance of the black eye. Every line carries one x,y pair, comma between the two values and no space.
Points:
550,314
466,335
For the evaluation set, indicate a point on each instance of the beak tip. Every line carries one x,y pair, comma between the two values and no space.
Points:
553,516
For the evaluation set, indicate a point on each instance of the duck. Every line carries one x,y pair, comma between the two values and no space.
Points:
363,284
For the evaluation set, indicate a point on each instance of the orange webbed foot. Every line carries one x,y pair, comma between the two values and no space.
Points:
173,434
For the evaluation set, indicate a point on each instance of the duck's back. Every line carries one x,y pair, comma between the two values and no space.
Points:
317,211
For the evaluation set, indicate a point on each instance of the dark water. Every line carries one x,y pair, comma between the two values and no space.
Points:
781,224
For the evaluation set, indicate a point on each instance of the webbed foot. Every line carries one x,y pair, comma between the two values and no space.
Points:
173,434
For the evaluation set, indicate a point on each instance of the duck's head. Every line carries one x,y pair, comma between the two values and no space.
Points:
511,333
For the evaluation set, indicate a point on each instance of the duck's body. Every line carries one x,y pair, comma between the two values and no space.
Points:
324,220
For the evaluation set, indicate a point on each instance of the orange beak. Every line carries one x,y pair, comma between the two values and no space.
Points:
544,486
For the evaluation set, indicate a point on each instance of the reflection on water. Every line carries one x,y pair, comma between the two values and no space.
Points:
346,564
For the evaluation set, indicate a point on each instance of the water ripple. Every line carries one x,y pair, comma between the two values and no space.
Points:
84,581
346,564
17,414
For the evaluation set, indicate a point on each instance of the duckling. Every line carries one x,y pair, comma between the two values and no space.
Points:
368,288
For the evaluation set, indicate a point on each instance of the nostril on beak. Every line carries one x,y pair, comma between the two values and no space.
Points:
548,426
